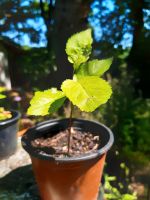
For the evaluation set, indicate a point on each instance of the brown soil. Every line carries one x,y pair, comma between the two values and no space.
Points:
80,143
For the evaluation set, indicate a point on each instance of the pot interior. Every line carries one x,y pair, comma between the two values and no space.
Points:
53,127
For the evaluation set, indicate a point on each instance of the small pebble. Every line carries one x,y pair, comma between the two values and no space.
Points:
96,138
64,148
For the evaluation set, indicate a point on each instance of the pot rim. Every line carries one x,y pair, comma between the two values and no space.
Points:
103,150
15,117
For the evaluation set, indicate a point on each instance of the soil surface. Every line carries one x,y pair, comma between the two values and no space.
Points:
80,143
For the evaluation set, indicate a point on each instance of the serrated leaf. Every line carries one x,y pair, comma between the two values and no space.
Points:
78,47
87,93
2,96
46,102
94,67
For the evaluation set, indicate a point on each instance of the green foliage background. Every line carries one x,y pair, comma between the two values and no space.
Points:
128,117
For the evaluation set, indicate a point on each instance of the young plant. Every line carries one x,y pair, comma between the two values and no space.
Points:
86,90
3,113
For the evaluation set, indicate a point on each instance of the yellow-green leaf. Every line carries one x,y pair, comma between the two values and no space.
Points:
78,47
2,96
2,89
46,102
87,93
94,67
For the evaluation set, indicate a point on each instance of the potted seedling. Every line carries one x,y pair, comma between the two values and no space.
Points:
8,130
68,154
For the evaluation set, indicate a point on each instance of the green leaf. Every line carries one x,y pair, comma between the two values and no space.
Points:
94,67
78,47
56,105
129,197
87,93
2,96
46,102
4,114
2,89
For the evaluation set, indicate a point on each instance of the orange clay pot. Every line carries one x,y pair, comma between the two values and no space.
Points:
22,132
69,178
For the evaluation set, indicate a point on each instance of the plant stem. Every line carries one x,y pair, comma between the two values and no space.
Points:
69,127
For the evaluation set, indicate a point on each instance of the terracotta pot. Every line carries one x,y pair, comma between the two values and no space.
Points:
8,135
68,178
22,132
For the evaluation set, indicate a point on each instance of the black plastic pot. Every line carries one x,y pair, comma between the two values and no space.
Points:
8,135
70,177
54,126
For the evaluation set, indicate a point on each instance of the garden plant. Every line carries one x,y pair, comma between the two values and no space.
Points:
8,129
68,153
120,191
4,114
86,90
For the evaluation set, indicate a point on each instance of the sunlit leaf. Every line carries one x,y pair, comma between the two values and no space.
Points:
78,47
87,93
4,114
94,67
2,89
128,197
2,96
46,102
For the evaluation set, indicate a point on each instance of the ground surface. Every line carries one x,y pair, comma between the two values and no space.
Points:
16,178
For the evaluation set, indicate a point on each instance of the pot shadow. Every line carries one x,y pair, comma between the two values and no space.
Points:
19,184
